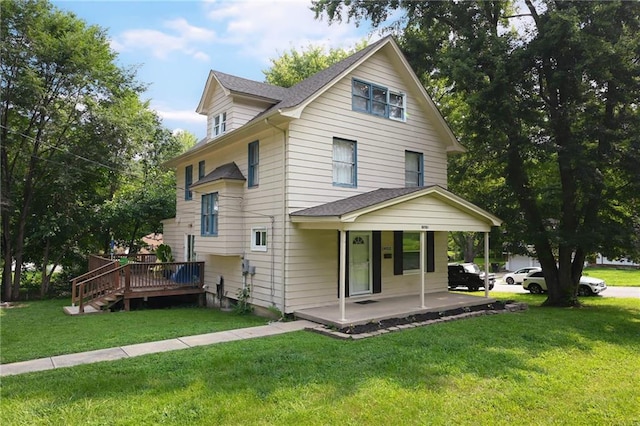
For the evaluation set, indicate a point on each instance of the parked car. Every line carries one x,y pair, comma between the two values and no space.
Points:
468,275
517,276
588,286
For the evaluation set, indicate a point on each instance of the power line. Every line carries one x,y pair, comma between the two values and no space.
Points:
79,157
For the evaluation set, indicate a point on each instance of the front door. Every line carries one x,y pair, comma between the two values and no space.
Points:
359,263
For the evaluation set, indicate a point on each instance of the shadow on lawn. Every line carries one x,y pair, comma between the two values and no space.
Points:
497,346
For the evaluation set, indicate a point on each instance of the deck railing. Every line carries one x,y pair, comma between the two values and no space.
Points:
112,278
103,284
97,267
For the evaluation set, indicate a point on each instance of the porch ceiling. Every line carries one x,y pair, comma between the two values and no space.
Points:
391,307
430,208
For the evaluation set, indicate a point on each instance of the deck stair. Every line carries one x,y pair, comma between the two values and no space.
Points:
105,303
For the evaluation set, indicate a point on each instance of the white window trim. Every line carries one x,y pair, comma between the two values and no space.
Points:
254,231
220,127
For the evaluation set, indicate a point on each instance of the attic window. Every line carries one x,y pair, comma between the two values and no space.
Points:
219,124
377,100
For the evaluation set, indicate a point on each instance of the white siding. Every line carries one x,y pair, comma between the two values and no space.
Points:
240,209
424,211
218,104
381,142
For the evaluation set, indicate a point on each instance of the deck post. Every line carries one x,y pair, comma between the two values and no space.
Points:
127,278
343,278
422,266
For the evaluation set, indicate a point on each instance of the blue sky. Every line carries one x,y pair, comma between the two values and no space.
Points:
174,44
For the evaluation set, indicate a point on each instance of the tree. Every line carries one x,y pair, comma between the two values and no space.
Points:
552,96
148,194
294,66
65,128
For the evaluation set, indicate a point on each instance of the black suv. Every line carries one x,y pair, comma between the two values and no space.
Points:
468,275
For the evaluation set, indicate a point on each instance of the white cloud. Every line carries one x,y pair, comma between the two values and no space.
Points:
185,116
265,29
181,37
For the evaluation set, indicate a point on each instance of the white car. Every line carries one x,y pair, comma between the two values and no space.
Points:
518,276
588,286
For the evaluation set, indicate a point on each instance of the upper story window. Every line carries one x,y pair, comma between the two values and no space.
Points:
254,160
377,100
200,169
219,124
413,169
259,239
209,217
188,180
344,162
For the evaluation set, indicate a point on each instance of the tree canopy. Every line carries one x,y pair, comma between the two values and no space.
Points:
550,116
75,139
294,65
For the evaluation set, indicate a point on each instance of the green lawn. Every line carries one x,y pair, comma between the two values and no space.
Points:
615,277
39,328
542,366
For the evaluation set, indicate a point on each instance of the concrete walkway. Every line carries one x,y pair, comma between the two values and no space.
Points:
130,351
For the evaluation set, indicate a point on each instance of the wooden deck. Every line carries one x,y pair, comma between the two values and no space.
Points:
112,280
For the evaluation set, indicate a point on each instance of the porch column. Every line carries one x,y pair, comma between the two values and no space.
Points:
423,236
343,266
486,264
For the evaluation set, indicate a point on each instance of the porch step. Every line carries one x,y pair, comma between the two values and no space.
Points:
106,302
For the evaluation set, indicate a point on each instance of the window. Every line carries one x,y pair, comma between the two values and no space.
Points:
188,180
254,159
377,100
209,222
259,239
201,170
406,247
344,162
413,174
219,124
411,251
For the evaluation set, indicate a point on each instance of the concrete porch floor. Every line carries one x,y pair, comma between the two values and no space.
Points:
391,307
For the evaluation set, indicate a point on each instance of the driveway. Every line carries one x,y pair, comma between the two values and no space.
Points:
623,292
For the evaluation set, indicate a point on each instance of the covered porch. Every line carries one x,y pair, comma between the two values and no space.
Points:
365,311
417,210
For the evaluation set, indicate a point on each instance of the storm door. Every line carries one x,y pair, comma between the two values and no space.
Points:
359,263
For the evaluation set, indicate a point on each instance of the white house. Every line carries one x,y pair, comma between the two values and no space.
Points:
328,192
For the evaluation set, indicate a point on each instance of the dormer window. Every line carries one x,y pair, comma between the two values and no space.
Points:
377,100
219,124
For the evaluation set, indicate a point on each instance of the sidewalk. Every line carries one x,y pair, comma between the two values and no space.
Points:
130,351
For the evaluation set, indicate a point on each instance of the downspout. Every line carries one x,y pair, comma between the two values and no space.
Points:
283,262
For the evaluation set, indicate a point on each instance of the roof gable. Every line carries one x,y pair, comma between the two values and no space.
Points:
289,103
351,209
233,85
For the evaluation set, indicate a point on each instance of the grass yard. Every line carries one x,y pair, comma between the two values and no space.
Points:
37,329
615,277
542,366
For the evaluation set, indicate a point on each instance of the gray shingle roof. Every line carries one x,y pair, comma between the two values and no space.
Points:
283,97
357,202
226,171
297,94
250,87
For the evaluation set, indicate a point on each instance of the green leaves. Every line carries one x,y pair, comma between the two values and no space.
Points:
545,97
294,66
